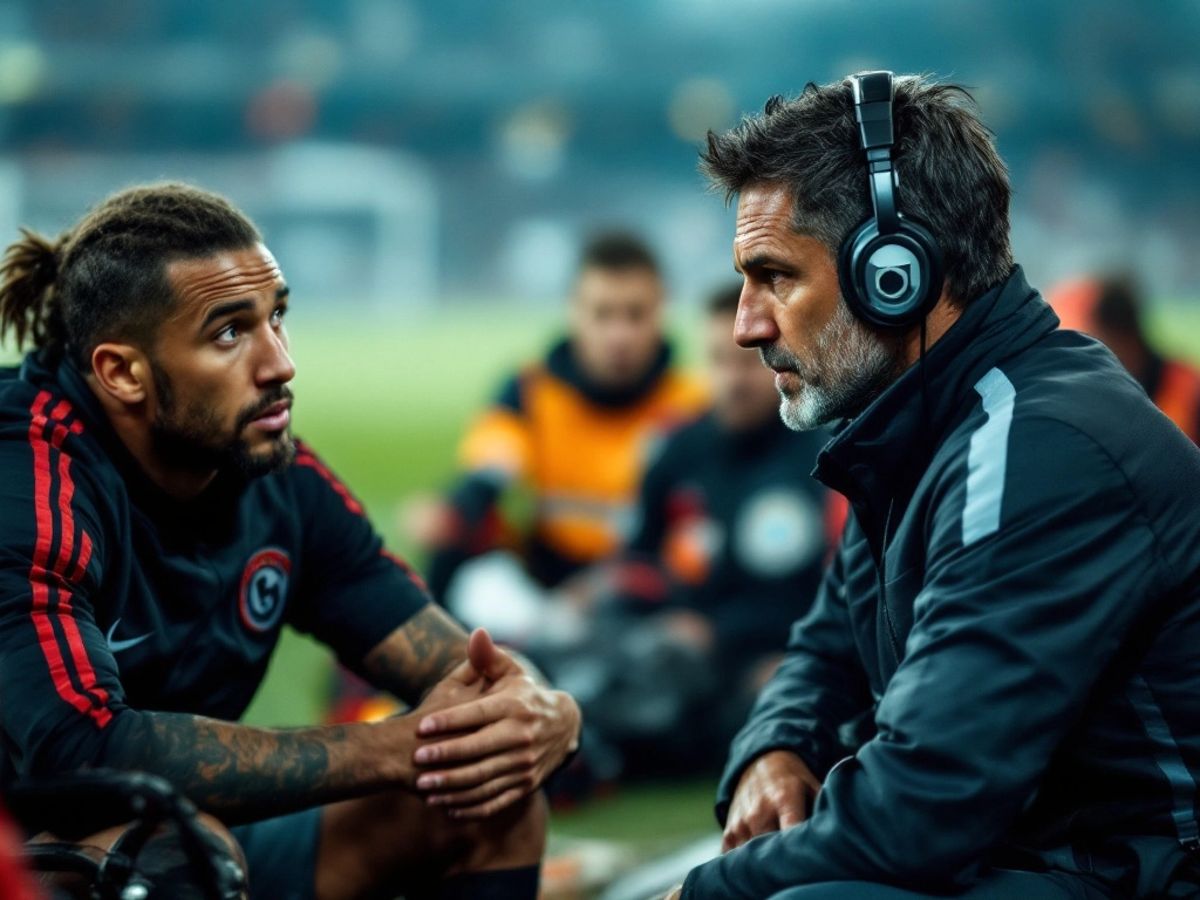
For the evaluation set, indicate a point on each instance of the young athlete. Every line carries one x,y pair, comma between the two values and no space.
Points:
159,525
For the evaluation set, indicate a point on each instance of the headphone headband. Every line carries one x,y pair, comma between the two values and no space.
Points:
889,267
873,96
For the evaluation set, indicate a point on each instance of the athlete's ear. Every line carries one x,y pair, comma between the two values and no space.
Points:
123,372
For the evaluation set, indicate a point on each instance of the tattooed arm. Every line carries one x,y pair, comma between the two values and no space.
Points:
241,773
417,655
497,753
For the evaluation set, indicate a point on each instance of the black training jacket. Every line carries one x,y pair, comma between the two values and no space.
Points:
116,600
1018,593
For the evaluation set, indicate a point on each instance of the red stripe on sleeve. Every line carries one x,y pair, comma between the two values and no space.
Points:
405,567
306,458
41,578
66,491
85,556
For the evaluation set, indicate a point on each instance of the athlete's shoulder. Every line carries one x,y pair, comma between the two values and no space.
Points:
19,397
314,479
38,416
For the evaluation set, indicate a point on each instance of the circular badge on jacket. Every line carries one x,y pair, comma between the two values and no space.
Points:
778,531
264,589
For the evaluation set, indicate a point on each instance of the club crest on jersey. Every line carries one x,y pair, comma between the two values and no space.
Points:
264,589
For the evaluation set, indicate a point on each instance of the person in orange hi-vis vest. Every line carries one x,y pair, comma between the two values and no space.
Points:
570,432
1109,308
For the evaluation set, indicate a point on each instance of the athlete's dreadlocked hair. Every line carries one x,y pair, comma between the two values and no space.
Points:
105,278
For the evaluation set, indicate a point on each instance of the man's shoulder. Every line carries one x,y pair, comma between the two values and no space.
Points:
1073,381
1067,406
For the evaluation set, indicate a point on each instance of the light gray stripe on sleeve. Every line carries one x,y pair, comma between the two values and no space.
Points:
1167,755
987,458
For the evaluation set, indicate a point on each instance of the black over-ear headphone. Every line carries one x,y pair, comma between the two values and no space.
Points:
889,267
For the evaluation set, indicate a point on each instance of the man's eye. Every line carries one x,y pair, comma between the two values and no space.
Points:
278,314
228,334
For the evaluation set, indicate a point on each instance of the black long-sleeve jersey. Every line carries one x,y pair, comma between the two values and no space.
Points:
117,599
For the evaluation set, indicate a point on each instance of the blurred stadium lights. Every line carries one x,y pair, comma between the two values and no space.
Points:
22,71
532,140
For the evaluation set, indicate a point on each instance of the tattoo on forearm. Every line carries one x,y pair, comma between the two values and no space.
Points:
414,657
238,772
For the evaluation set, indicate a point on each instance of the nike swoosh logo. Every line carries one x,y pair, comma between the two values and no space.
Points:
116,646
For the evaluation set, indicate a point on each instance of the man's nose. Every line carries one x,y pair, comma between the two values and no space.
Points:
276,366
754,325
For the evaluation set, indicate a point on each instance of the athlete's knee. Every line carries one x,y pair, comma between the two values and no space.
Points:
515,836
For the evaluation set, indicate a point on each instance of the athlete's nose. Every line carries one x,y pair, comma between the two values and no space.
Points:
276,366
754,325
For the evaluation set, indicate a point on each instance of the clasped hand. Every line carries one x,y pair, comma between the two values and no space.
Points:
489,734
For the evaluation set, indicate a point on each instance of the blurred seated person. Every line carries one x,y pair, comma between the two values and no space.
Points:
570,431
692,618
1110,309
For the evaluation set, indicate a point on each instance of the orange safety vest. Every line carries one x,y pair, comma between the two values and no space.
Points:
1178,395
581,461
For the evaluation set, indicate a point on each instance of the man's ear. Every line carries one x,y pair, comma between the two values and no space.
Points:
123,372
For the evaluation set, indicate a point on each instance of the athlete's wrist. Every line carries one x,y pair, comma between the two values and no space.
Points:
388,751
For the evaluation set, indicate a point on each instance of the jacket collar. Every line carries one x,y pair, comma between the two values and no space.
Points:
882,453
561,362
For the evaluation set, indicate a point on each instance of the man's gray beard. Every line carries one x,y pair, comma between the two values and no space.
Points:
854,364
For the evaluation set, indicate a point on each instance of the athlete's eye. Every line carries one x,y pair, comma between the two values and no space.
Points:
227,335
278,315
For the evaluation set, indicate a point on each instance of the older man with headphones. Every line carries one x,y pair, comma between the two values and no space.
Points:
1017,591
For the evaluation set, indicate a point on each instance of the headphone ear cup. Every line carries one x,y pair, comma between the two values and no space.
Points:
848,256
893,280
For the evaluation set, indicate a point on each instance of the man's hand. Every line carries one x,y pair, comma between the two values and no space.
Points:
774,793
490,751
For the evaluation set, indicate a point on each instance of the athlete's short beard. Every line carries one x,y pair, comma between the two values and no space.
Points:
851,366
191,436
